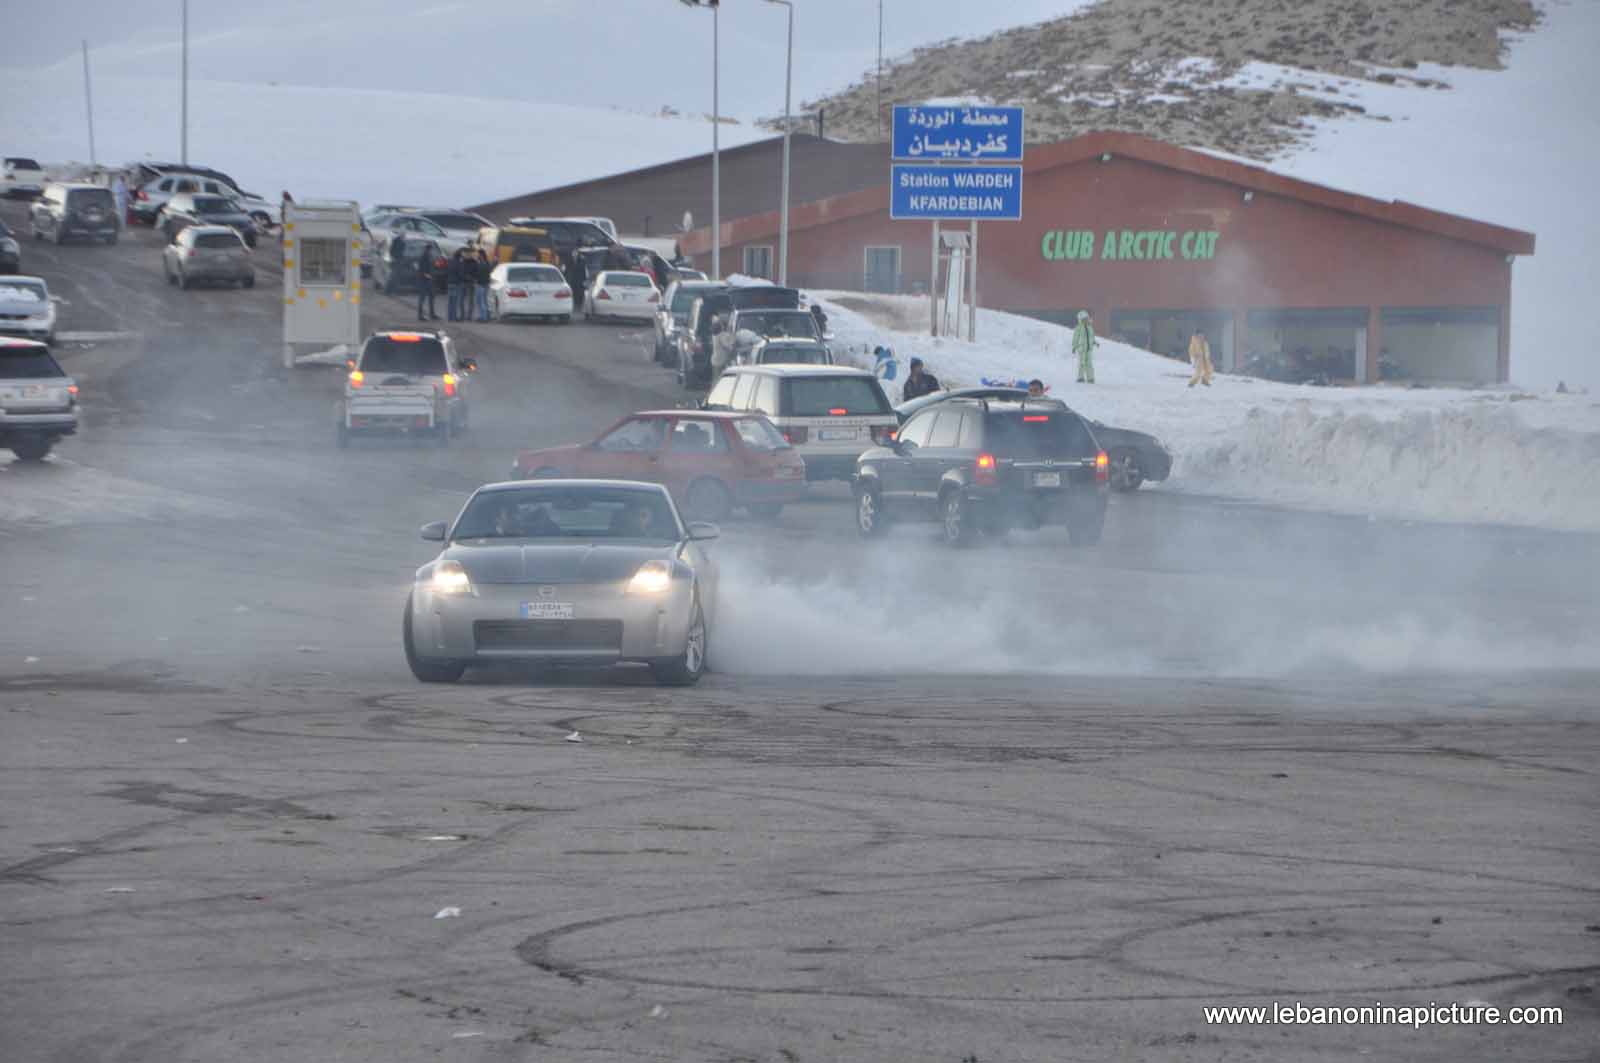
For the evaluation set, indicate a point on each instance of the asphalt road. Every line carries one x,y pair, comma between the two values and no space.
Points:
1017,803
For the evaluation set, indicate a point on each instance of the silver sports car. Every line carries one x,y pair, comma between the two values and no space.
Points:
570,571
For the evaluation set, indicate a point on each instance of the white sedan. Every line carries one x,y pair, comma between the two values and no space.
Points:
529,289
622,293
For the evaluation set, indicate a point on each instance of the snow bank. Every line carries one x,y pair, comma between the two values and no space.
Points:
1446,454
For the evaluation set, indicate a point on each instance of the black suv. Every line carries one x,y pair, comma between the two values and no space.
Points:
66,210
976,465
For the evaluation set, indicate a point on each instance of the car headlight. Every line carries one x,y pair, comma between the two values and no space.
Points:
653,577
450,578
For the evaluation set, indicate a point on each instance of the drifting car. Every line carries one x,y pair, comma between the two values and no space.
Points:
38,400
589,572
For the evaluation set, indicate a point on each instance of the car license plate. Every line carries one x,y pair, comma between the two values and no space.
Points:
547,610
839,433
32,391
1047,479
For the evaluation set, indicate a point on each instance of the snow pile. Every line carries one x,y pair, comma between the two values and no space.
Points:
1430,454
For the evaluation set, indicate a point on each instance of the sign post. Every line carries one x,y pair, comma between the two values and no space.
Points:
943,168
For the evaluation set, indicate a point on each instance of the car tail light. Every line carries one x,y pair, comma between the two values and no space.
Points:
516,293
984,474
838,411
1036,417
449,385
356,377
565,293
72,389
603,294
1102,467
405,337
883,435
796,435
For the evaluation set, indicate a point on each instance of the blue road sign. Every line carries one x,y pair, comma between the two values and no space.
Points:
958,134
958,193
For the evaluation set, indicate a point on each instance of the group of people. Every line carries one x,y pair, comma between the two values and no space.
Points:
463,278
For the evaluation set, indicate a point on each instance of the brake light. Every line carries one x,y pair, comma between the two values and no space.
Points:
883,435
565,293
838,411
1102,467
72,389
985,473
449,385
516,293
796,435
1035,417
356,377
603,294
405,337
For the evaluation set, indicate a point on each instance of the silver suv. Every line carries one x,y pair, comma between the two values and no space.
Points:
208,253
67,210
38,400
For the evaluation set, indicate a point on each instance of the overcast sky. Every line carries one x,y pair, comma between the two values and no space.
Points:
637,54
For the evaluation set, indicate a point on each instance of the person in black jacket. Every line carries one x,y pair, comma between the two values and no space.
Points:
469,284
454,276
578,277
820,317
425,287
918,382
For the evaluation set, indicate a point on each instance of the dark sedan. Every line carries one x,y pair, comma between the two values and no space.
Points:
1135,456
189,209
10,251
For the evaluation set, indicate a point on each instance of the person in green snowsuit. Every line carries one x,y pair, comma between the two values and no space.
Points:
1083,345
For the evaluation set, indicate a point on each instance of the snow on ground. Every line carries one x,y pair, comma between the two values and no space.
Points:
366,145
1496,456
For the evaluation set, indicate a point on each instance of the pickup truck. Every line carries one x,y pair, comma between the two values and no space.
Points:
406,383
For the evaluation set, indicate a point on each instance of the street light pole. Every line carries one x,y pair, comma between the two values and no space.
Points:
716,136
783,207
184,150
88,102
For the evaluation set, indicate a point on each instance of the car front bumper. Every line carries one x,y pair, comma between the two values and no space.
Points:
608,625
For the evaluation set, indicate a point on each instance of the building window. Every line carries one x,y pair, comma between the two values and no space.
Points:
758,261
1455,345
882,270
1311,344
323,262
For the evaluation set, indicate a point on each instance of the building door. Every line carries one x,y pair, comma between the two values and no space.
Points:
758,261
883,270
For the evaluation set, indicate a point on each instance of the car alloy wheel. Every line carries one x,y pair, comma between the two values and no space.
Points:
425,670
1125,472
869,513
958,523
687,668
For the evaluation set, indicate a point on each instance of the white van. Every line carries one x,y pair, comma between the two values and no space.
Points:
830,414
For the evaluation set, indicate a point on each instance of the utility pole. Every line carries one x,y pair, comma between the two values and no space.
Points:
185,135
716,137
880,68
783,207
88,102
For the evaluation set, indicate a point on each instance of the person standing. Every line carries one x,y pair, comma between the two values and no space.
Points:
1083,345
578,277
425,287
1200,358
454,275
485,270
919,382
469,284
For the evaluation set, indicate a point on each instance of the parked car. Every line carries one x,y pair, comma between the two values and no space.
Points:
406,383
529,289
711,462
385,226
146,171
394,268
513,243
38,400
570,234
22,176
979,466
697,341
186,209
672,314
789,352
149,199
207,253
27,309
829,413
1134,456
10,250
460,226
65,210
595,572
746,328
621,293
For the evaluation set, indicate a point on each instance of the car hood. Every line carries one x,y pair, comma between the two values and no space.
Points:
544,561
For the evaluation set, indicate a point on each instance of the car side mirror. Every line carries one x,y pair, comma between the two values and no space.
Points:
433,533
703,531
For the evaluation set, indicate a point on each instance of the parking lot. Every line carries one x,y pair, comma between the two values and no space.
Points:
1023,802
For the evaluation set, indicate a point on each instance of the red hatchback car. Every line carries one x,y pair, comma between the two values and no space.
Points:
709,460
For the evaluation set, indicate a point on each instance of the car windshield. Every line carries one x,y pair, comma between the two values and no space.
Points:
455,222
627,280
27,363
21,291
218,241
820,396
415,356
214,205
548,512
778,322
786,354
1043,433
535,275
759,433
23,164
